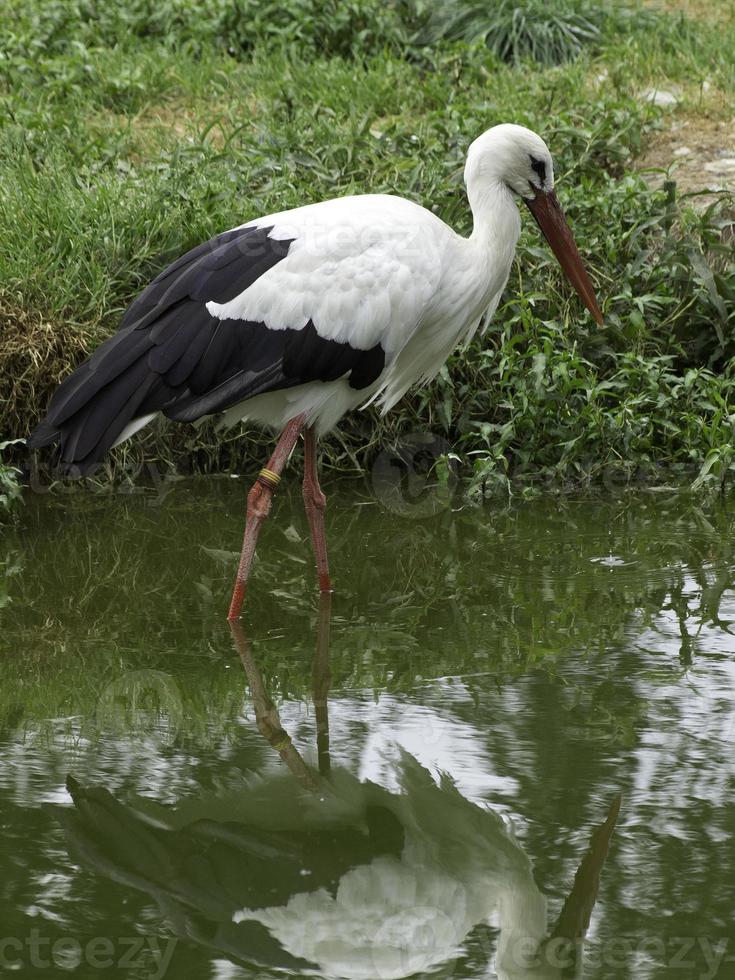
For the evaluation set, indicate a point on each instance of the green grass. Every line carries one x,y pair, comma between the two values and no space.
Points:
131,132
319,27
515,30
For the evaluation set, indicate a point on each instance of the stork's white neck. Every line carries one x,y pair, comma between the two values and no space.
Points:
495,213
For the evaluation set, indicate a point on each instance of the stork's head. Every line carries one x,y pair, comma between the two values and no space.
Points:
514,155
519,160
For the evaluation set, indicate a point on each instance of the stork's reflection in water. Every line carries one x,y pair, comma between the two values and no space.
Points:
315,871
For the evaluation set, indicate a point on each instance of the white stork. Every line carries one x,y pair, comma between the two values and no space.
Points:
295,318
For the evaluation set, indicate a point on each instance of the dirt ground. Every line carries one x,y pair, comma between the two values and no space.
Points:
696,151
696,147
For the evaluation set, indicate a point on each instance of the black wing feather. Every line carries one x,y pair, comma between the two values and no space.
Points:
171,356
218,362
115,406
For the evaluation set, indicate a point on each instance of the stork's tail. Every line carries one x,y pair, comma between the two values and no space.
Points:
107,398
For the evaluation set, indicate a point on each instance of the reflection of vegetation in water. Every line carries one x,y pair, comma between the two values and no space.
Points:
129,586
326,870
10,491
10,566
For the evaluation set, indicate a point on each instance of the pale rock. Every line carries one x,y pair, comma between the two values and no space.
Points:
661,97
726,165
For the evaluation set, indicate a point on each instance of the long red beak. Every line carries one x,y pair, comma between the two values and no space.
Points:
553,223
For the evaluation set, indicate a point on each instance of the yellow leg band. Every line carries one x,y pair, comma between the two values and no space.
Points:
269,477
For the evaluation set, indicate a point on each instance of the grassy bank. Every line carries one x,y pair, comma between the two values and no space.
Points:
131,132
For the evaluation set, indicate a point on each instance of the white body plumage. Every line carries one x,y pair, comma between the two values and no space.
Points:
373,269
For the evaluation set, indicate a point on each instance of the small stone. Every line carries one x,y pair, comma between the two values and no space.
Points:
724,166
660,96
682,151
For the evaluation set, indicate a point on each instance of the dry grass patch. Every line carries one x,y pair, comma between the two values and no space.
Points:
162,126
712,11
35,355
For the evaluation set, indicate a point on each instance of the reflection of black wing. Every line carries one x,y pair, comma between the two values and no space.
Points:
200,874
171,355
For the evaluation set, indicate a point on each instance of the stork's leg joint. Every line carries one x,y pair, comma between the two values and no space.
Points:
260,499
259,506
314,497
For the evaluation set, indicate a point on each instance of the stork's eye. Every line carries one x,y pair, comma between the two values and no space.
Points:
539,166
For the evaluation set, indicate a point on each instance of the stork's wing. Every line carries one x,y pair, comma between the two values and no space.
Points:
305,296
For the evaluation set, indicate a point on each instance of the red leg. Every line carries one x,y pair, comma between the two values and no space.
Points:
315,504
259,505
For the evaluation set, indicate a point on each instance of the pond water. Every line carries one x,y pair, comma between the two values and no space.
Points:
510,729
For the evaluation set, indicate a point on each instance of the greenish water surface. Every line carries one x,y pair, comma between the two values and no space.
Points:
512,727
